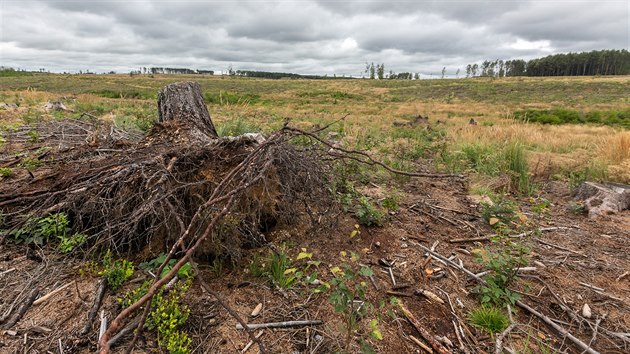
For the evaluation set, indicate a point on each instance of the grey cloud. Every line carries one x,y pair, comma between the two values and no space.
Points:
306,36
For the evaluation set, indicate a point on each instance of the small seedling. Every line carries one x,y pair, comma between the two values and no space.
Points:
488,318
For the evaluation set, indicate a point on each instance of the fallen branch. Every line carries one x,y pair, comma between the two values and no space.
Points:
22,309
285,324
100,292
437,346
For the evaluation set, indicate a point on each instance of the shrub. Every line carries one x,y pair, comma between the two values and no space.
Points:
367,213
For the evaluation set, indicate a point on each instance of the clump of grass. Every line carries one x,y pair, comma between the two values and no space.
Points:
517,165
489,318
235,127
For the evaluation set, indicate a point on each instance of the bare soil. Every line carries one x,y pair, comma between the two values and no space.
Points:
571,261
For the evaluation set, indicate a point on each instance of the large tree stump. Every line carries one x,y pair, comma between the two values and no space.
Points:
183,102
602,199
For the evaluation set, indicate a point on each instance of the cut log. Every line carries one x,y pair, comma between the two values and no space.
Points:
603,199
183,101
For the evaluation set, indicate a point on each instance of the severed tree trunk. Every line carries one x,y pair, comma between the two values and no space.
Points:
183,102
602,199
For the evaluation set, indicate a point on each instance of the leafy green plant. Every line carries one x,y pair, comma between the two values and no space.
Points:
39,231
348,295
503,265
31,163
168,315
68,244
500,213
33,136
367,213
6,172
116,272
184,272
489,318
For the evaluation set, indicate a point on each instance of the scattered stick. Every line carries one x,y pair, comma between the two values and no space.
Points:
618,278
60,347
472,239
7,271
437,346
398,293
593,287
250,343
391,276
430,295
585,347
285,324
100,292
51,294
519,303
559,247
420,344
22,309
462,347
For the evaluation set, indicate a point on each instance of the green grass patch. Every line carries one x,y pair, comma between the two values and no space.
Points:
620,118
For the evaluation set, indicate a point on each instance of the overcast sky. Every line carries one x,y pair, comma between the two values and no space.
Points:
308,36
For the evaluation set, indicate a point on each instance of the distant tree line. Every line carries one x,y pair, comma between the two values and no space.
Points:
159,70
597,62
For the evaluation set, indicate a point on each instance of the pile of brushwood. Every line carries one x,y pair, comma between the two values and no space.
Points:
180,188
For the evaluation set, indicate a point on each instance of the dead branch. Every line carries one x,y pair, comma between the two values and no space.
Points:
22,309
98,298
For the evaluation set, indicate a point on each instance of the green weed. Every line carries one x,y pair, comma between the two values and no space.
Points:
116,272
489,318
6,172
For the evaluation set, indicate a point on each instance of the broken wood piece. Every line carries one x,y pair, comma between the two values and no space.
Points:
391,276
7,271
285,324
420,344
257,310
51,294
251,342
437,346
103,326
22,309
429,295
603,198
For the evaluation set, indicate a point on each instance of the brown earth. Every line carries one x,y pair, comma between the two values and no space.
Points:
593,252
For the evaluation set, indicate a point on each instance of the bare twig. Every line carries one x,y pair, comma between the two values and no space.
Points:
284,324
